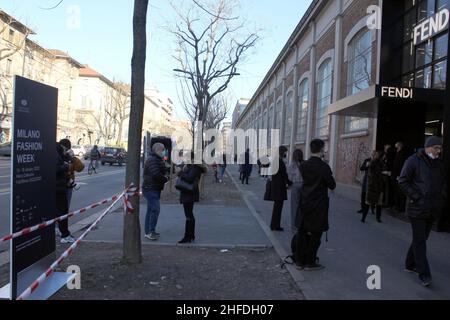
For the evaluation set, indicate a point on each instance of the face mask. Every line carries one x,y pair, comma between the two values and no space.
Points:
432,156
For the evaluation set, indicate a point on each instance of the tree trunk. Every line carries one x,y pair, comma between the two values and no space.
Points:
132,229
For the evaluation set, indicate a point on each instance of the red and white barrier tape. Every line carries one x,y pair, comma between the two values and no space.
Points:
64,217
26,294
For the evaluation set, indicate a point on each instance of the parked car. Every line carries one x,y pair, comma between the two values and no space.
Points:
79,151
113,155
5,149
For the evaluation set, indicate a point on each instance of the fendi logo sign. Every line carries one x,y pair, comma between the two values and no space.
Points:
394,92
431,26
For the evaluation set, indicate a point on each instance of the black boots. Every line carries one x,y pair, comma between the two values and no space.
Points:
189,232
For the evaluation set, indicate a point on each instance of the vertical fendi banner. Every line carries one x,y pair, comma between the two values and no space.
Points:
33,176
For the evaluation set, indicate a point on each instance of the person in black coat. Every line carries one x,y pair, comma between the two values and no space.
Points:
364,168
246,168
154,181
62,204
388,164
313,218
191,173
278,190
423,181
375,187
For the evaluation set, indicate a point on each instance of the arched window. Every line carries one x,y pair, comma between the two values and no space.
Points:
359,62
302,115
288,118
359,74
270,125
324,91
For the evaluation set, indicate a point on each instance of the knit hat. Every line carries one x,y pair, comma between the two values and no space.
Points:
66,143
433,141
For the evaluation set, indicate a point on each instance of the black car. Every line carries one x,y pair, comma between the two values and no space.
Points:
5,149
113,155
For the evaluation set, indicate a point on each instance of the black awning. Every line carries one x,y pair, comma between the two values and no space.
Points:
365,103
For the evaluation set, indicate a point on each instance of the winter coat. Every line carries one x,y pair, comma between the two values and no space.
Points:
154,173
247,167
423,182
62,171
365,169
191,174
294,173
399,161
279,183
375,183
317,179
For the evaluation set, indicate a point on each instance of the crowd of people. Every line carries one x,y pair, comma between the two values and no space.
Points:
392,179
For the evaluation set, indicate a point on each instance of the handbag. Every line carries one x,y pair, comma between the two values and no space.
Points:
183,186
268,193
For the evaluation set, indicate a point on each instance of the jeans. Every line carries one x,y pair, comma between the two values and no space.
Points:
417,253
222,172
153,209
69,197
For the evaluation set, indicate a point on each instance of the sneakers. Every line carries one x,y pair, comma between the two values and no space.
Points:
299,266
314,267
152,236
68,239
413,270
426,280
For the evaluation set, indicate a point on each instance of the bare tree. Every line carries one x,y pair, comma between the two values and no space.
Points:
132,230
7,50
209,50
218,111
121,105
13,46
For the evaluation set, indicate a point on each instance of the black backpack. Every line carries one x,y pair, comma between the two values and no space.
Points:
291,259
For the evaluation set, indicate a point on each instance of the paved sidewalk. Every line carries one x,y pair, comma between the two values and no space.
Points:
353,247
216,226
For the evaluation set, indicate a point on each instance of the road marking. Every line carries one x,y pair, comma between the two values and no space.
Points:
4,192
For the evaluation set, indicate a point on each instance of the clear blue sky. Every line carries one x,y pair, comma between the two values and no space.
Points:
103,38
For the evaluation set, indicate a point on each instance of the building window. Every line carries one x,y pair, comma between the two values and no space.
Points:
324,90
8,67
302,114
288,118
359,62
84,102
11,35
423,63
355,124
270,126
278,114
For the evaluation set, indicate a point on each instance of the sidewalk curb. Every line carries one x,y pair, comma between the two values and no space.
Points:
192,245
296,274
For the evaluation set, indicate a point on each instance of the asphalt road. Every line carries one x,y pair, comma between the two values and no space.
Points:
108,182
